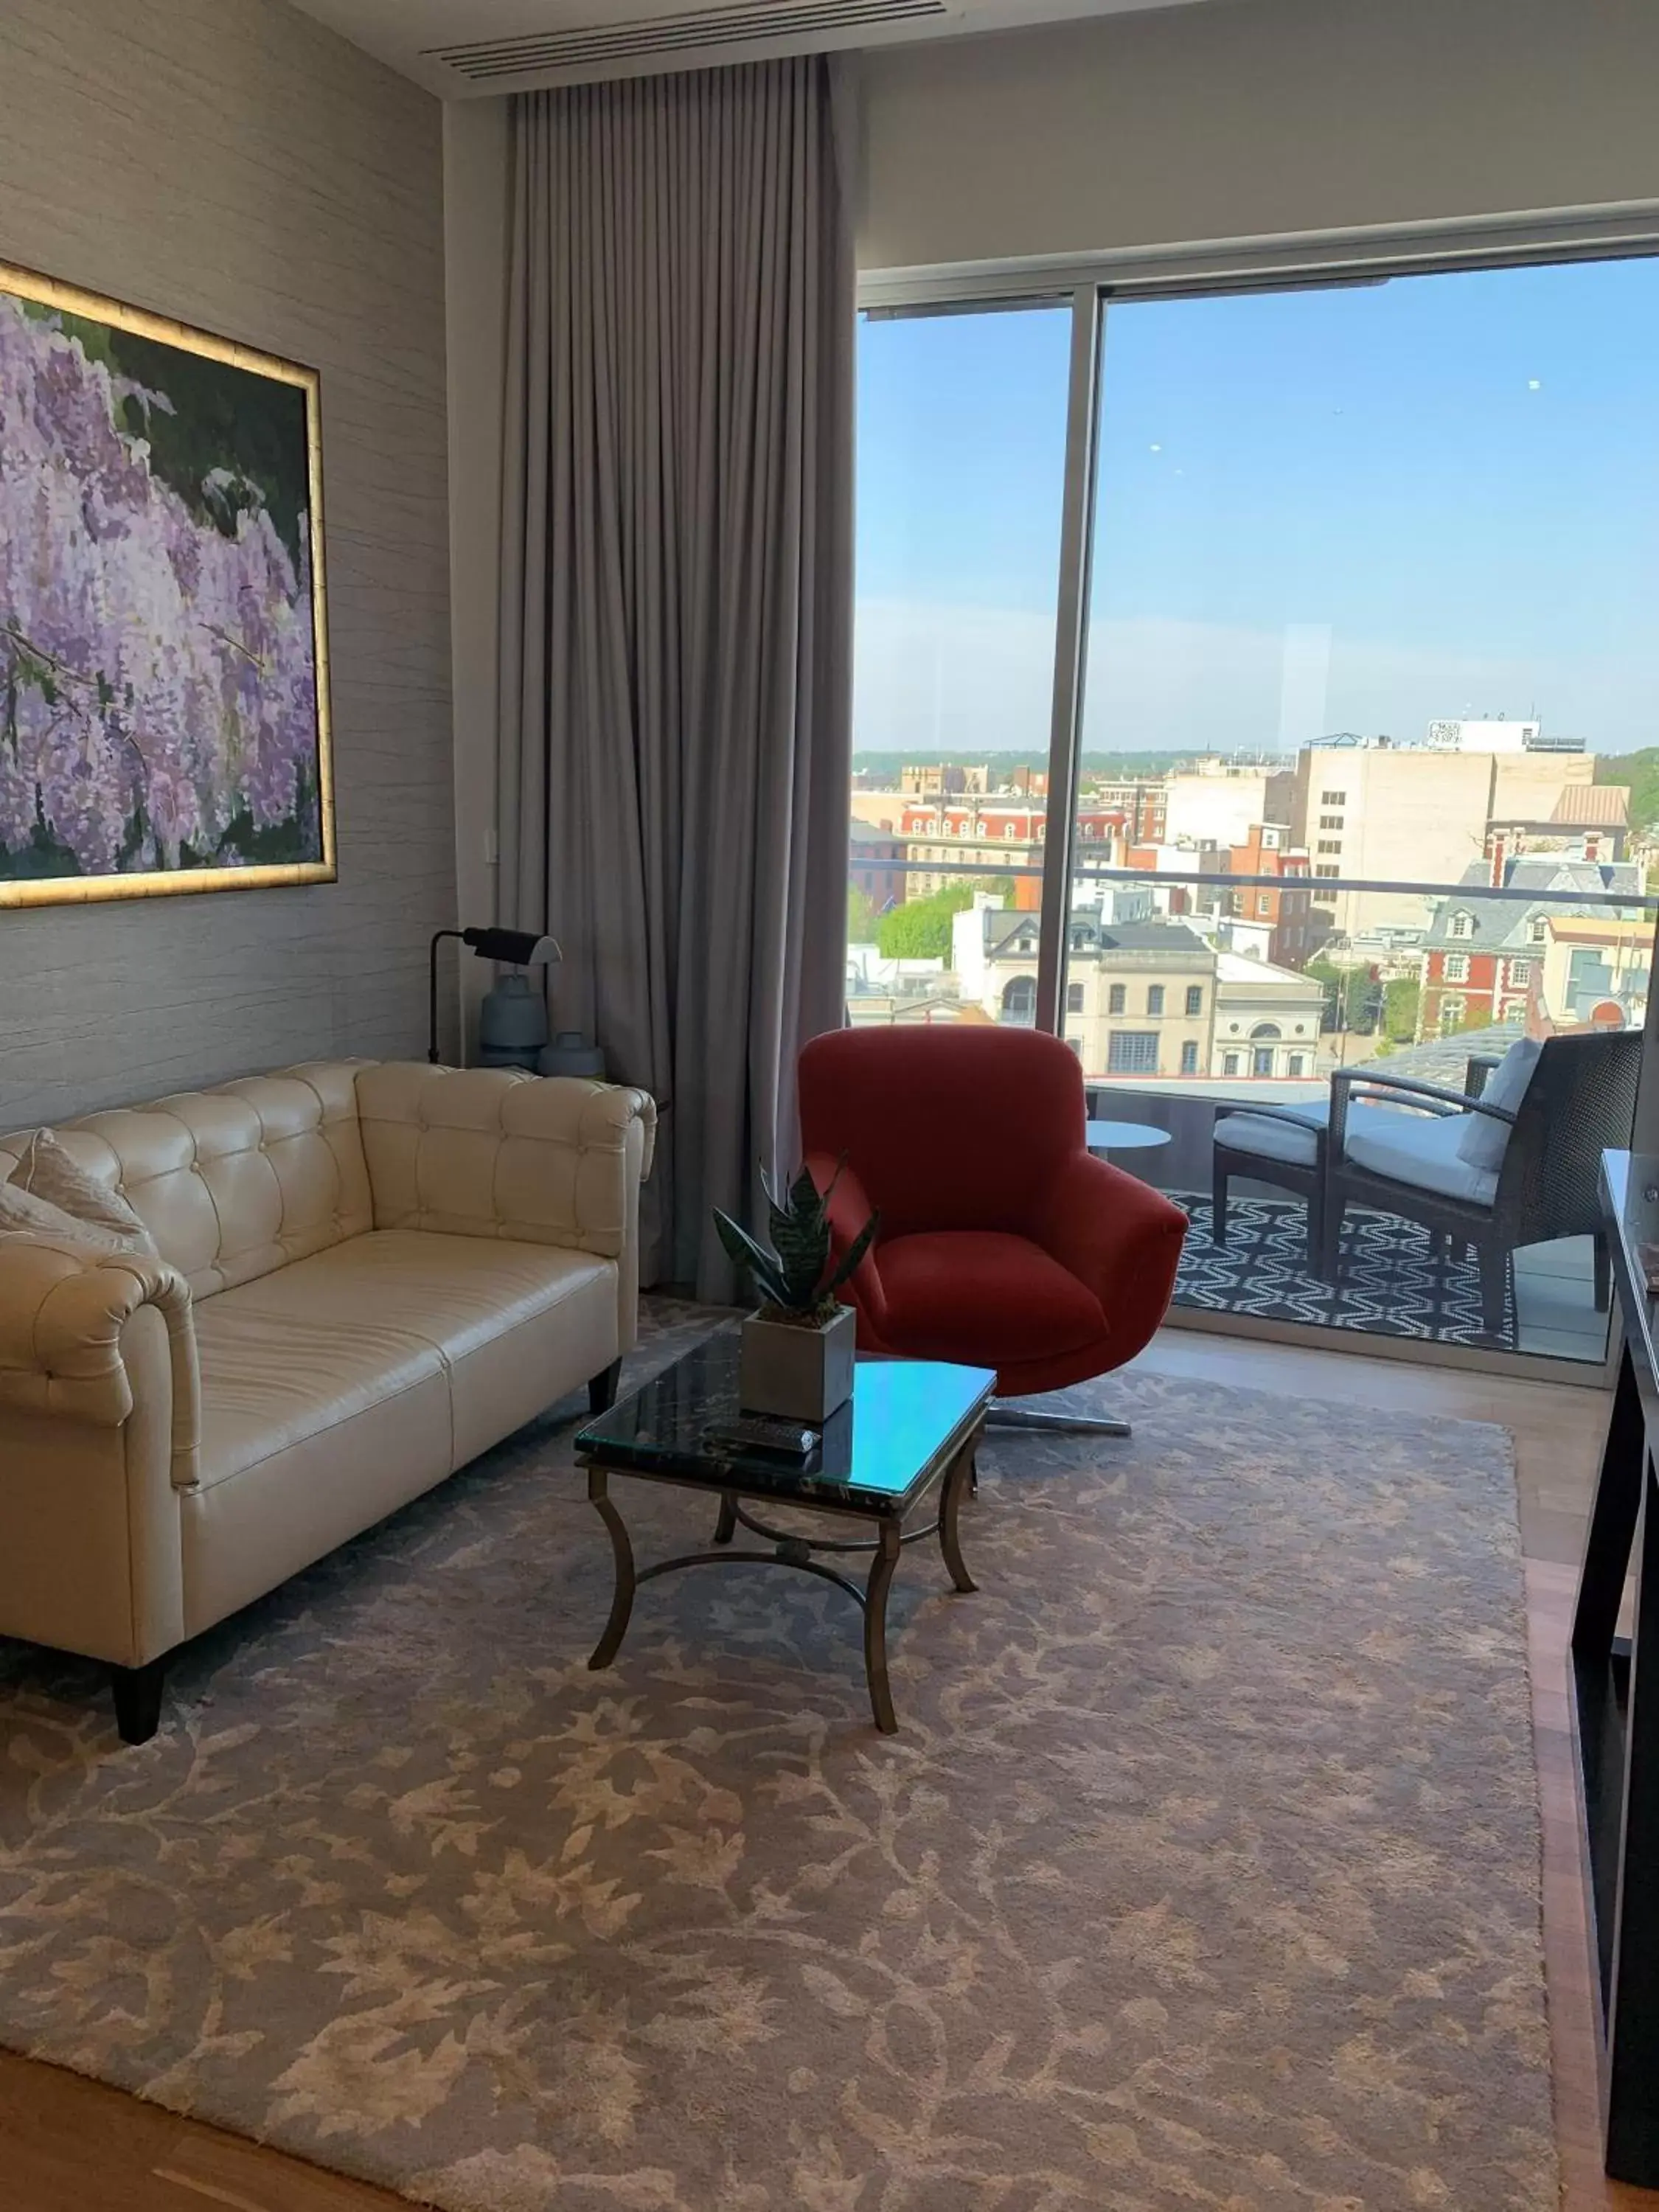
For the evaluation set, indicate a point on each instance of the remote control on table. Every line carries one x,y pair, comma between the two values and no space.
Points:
770,1435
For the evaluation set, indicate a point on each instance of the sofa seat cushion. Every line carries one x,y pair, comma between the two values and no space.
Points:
311,1347
1423,1150
983,1298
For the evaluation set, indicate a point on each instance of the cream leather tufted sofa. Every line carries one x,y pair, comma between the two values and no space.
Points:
369,1274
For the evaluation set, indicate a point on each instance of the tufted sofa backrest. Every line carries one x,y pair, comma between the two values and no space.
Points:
233,1182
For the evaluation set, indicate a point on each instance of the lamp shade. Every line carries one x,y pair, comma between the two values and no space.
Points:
515,948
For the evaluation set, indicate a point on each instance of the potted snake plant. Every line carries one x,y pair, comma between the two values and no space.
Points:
795,1357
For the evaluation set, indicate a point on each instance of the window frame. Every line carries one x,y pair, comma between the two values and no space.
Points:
1140,1038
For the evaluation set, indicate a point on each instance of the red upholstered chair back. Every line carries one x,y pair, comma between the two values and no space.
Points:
948,1127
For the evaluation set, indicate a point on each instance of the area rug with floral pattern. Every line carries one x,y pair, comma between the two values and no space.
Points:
1203,1871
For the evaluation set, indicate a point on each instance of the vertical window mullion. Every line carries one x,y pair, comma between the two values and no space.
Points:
1071,641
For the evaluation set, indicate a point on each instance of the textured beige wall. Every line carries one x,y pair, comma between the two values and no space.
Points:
232,163
1247,117
478,226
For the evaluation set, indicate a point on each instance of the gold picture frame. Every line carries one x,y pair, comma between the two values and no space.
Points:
131,727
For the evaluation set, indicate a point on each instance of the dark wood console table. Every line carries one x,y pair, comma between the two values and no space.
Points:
1615,1697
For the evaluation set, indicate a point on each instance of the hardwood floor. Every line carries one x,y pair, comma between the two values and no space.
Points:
72,2146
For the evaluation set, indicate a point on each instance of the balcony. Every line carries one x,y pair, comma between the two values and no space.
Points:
1398,1280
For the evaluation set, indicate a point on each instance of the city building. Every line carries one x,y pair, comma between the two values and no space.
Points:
1285,921
881,806
1266,1019
1590,971
990,833
1481,956
1497,735
1167,864
876,864
942,779
1217,802
970,833
1379,812
1142,804
1140,995
1586,822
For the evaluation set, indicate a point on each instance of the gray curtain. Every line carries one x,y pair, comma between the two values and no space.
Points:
677,600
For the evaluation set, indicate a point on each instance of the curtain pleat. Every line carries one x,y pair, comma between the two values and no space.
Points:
676,670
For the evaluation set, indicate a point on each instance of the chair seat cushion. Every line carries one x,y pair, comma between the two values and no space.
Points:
983,1298
1423,1150
1296,1143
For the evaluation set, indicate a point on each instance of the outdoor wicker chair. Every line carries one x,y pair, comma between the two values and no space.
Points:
1580,1097
1284,1146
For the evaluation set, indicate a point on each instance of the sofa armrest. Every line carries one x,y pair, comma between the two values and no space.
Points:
1121,1238
63,1310
493,1151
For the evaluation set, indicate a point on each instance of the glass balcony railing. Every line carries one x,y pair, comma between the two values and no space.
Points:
1176,1032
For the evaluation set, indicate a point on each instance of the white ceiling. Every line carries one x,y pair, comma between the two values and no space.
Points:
469,49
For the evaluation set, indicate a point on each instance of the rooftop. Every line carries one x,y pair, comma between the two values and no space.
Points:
1592,807
1497,922
1244,968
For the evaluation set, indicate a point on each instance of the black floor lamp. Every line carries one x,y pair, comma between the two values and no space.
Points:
513,948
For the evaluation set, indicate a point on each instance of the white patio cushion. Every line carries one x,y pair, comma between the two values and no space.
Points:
1484,1141
1422,1150
1270,1139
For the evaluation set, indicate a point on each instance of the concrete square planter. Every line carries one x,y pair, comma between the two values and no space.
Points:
804,1374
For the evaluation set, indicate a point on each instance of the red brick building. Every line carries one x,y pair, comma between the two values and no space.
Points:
1298,929
988,833
1482,955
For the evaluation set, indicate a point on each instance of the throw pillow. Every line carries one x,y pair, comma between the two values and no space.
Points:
22,1214
1484,1140
49,1170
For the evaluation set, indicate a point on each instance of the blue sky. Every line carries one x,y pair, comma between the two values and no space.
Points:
1350,509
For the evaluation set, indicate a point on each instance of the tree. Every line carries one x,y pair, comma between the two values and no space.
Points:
860,916
921,928
1640,770
1351,996
1401,1001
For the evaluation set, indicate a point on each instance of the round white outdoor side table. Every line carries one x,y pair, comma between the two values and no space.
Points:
1124,1137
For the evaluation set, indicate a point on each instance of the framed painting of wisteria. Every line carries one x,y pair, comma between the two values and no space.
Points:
164,710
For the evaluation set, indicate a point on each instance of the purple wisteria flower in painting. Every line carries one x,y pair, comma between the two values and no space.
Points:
158,675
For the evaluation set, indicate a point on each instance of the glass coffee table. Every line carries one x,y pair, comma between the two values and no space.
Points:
912,1426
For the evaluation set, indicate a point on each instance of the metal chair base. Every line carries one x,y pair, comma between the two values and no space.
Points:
1065,1424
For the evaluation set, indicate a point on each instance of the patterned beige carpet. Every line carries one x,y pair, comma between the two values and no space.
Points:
1203,1873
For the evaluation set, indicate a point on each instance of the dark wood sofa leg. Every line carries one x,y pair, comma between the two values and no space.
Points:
139,1700
602,1389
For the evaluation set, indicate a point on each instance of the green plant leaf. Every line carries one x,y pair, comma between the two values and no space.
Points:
753,1259
803,1198
855,1252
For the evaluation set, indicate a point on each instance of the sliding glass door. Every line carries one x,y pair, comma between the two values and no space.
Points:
1339,774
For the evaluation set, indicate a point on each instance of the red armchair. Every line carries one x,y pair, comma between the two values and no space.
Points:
1003,1244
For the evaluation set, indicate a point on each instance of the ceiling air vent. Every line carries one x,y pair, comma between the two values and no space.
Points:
660,38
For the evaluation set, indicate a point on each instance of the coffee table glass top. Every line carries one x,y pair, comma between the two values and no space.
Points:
907,1419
